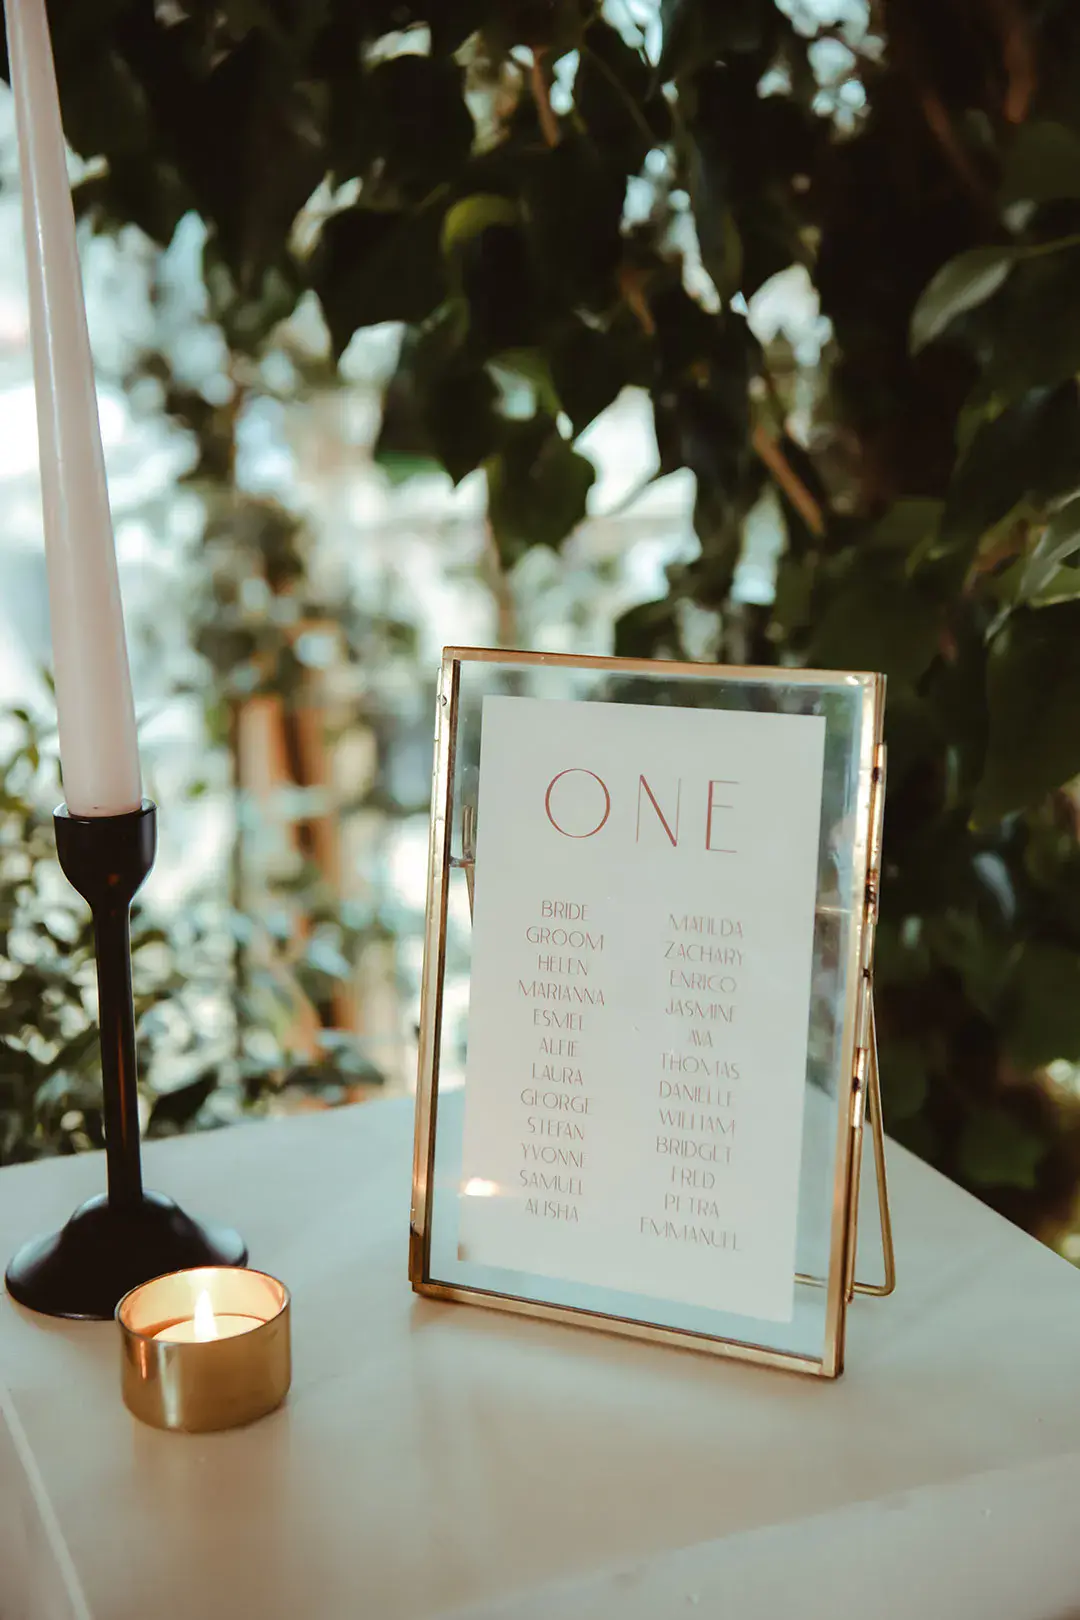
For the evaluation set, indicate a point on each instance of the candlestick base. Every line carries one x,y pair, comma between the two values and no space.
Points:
84,1270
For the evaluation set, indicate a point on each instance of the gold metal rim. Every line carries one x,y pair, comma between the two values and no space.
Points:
146,1292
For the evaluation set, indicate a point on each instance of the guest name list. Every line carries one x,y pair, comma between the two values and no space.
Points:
642,942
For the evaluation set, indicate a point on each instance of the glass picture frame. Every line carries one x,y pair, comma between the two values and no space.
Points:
646,1034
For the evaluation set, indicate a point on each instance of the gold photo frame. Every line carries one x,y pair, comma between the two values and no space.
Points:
840,1085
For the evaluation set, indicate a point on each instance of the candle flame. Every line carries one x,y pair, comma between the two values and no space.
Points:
205,1321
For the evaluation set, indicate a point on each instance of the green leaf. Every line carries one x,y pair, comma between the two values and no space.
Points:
77,1053
105,107
770,239
904,1079
878,622
996,1150
689,338
1058,543
241,16
572,199
1042,1020
537,488
550,26
648,630
1062,586
410,125
495,278
743,152
589,369
522,371
703,419
77,29
400,468
62,1090
1033,340
452,22
906,526
248,140
439,405
963,941
683,34
174,1109
372,267
792,601
1043,164
460,415
718,515
137,190
696,32
614,97
1033,693
1031,450
960,285
721,247
471,215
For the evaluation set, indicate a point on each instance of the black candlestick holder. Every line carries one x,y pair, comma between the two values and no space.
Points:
113,1242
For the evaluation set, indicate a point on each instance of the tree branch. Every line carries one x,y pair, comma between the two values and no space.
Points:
541,94
789,481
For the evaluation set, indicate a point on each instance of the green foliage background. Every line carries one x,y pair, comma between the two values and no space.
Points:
932,524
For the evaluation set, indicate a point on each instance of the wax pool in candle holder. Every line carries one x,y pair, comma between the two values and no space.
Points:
206,1326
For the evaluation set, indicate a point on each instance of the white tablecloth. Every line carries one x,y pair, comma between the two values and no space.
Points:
439,1460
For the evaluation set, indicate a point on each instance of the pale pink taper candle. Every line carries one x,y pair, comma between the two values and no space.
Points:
96,715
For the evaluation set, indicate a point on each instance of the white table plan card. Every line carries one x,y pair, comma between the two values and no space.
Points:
646,1046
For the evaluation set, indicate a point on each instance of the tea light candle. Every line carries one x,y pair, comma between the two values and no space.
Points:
206,1325
205,1349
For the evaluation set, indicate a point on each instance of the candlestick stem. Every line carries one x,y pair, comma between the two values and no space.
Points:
107,859
113,1244
112,940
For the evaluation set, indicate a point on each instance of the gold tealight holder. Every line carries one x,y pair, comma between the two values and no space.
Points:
205,1349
